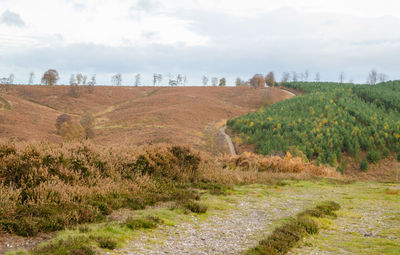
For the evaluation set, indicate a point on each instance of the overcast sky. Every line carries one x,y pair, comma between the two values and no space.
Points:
221,38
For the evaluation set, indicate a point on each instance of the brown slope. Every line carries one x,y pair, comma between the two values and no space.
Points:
134,115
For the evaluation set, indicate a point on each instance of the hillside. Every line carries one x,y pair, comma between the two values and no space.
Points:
328,123
129,115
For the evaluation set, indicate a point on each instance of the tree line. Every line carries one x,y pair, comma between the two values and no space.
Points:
51,77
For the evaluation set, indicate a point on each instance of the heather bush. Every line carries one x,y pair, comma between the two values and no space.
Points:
146,222
195,207
47,187
76,246
289,234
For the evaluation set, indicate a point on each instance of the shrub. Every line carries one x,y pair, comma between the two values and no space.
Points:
107,243
373,156
364,165
76,246
22,227
47,187
309,225
138,223
196,207
398,157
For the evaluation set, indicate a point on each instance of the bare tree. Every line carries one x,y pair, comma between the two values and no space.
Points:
318,77
155,79
4,82
91,84
75,90
222,82
214,81
93,80
84,78
372,77
382,77
204,79
31,77
341,77
270,79
87,122
72,80
79,78
11,79
137,80
50,77
184,80
257,81
239,82
285,77
179,79
306,75
116,79
159,79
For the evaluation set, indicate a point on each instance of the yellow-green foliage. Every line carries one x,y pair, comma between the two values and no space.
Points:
323,124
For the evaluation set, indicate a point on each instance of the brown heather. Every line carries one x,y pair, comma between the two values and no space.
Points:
252,162
46,187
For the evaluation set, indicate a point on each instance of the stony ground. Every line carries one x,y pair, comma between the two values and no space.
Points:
223,232
369,215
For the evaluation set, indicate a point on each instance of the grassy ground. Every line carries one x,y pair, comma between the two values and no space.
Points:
368,222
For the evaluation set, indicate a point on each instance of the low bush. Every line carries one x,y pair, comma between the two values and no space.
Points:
71,246
196,207
139,223
107,243
288,235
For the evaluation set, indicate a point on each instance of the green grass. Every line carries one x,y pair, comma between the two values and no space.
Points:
365,207
285,237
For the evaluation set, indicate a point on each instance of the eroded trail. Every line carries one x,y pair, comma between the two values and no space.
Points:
228,140
232,226
235,223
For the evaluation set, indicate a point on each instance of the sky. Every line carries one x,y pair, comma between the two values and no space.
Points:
215,38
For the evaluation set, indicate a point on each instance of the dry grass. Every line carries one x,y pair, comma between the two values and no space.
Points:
46,187
251,162
129,115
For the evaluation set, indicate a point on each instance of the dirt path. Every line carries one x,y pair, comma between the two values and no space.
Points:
226,231
228,138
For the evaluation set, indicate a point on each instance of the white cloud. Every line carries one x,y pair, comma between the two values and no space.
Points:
12,19
223,37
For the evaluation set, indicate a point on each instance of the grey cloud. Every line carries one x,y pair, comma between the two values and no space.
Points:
284,40
12,19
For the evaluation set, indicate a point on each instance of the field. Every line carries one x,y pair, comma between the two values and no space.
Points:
155,178
129,115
